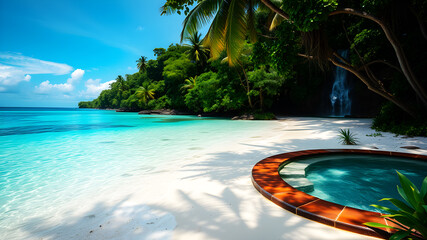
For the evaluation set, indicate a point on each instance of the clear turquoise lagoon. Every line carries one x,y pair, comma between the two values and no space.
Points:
48,157
358,180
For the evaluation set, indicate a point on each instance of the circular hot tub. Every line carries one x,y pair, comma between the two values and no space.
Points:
298,182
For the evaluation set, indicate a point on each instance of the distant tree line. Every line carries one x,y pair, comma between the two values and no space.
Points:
182,77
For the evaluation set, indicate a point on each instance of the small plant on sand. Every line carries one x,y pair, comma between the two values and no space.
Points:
377,134
346,137
411,216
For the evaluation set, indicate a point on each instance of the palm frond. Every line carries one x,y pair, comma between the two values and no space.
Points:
215,38
277,20
167,10
264,8
347,138
236,30
252,4
199,16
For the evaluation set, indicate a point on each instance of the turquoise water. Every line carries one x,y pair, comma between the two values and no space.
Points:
49,157
361,180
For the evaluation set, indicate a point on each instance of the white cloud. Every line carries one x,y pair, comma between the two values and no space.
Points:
76,76
94,87
47,87
15,68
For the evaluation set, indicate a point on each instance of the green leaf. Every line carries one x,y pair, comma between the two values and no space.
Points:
385,209
406,219
398,224
399,235
236,30
251,21
423,191
399,204
215,37
377,225
402,194
409,188
199,16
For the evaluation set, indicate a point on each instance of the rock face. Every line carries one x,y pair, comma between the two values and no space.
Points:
244,117
164,112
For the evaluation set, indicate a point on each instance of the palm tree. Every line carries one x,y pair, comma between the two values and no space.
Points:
189,83
145,94
232,22
121,83
197,52
142,64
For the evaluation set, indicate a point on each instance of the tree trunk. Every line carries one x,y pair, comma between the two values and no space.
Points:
248,89
398,49
261,99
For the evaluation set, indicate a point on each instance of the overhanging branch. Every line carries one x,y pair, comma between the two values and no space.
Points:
383,62
275,9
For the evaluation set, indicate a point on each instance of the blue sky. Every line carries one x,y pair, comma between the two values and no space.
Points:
55,53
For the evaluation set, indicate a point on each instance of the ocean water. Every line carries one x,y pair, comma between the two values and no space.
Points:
361,180
48,157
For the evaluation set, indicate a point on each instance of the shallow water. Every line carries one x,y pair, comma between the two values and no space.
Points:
49,157
361,180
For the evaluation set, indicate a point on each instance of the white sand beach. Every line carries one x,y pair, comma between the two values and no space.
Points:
209,194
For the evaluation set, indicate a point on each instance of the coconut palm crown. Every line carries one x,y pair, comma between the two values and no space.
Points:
232,22
197,52
145,94
189,83
141,64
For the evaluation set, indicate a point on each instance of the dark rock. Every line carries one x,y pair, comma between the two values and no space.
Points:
164,112
125,110
244,117
410,147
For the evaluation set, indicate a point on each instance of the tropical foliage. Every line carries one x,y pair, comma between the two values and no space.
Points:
189,83
258,55
197,53
374,31
346,137
142,64
411,214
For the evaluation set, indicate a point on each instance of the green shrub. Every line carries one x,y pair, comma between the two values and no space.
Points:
346,137
391,119
411,216
377,134
264,116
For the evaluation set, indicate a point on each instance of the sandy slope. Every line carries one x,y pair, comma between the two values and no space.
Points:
209,195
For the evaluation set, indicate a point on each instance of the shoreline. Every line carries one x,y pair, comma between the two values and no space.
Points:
208,193
232,116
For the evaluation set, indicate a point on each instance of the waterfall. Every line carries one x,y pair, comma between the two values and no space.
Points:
340,100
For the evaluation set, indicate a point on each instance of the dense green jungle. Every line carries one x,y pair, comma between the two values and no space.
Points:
281,57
